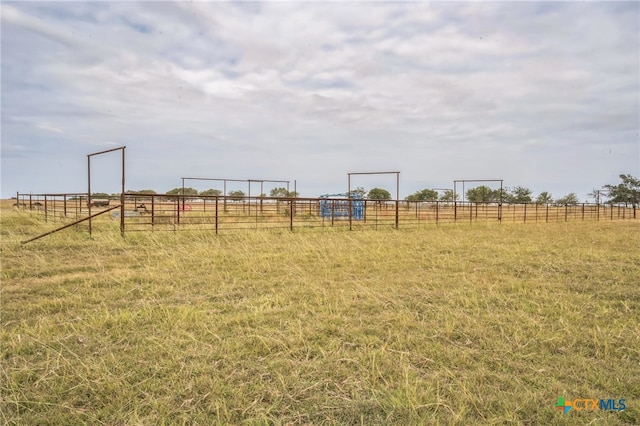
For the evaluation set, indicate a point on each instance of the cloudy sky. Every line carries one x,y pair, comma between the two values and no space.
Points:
541,94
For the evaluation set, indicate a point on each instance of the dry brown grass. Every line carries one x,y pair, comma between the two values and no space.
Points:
458,324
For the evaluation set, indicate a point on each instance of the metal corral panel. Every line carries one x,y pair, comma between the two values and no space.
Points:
336,206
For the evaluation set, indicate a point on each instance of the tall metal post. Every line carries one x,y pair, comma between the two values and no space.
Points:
88,190
397,199
122,209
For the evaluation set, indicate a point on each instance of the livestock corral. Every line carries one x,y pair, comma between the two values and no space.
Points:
157,212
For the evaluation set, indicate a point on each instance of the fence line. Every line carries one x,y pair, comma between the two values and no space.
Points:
160,212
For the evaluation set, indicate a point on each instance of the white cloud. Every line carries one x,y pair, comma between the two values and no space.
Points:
531,92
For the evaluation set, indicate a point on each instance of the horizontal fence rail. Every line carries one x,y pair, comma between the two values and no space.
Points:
166,212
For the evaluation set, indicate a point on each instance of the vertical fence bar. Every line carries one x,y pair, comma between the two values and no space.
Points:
291,206
89,192
546,216
217,214
122,209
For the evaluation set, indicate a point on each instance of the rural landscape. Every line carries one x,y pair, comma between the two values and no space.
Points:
453,323
449,233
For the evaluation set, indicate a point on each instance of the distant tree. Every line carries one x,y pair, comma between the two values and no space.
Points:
145,192
544,198
569,199
360,191
211,192
236,194
627,192
282,192
423,195
520,195
596,195
379,194
483,194
449,195
100,195
179,191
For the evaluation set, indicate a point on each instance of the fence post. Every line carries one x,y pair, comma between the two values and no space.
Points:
291,214
217,215
546,215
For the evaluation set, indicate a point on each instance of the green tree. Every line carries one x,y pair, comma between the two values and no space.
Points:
211,192
627,192
379,194
145,192
423,195
544,198
282,193
569,199
483,194
520,195
101,195
236,194
449,195
360,191
179,191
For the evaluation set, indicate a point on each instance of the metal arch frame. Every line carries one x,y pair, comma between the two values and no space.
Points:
455,182
121,148
249,181
224,180
376,173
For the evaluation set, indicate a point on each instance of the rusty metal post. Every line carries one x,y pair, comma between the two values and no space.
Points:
89,191
46,208
224,192
177,214
546,216
153,210
291,207
122,199
217,215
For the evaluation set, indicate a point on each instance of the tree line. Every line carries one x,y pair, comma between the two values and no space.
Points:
626,192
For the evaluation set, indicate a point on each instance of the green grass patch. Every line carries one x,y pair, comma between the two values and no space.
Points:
456,324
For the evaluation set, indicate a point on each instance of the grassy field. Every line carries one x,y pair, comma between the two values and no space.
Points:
456,324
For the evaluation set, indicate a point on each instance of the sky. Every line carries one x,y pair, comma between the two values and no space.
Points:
544,95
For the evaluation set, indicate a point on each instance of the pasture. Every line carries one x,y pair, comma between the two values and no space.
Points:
480,323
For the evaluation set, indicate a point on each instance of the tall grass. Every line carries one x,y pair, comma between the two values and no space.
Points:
457,324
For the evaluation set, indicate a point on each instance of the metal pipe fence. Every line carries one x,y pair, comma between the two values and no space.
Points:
163,212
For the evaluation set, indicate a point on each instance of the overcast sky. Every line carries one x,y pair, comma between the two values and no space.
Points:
541,94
